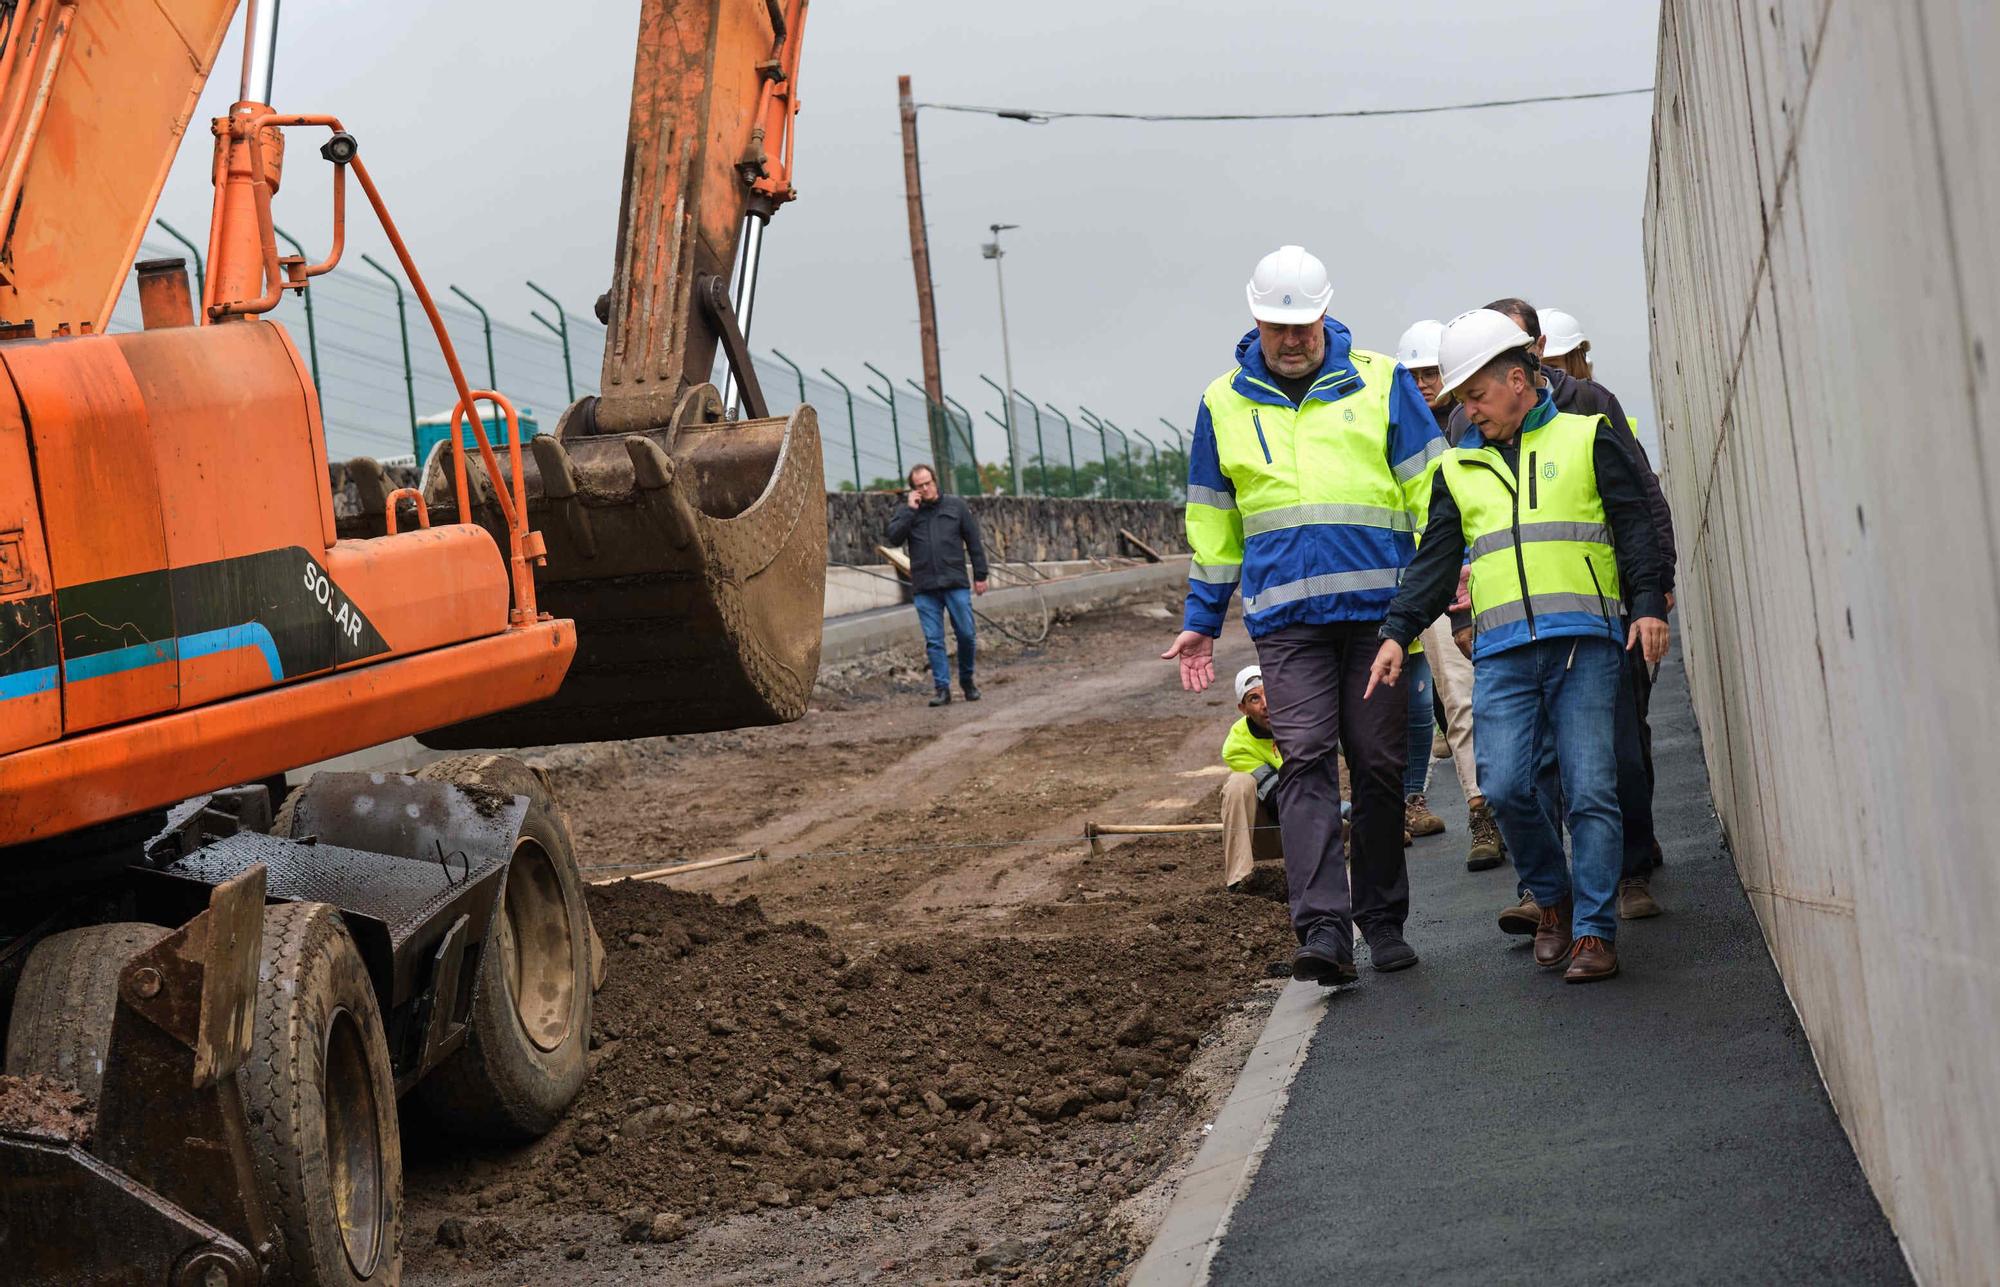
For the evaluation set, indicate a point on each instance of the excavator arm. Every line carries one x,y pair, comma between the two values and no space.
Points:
95,96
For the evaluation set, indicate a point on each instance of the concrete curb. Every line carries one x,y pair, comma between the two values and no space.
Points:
1221,1171
864,632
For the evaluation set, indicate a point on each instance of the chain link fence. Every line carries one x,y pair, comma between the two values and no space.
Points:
379,374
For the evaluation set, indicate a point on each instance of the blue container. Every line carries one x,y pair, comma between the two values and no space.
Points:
433,430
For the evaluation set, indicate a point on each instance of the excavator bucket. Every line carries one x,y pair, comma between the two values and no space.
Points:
692,559
689,549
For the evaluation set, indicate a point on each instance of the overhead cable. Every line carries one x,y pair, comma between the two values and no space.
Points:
1041,116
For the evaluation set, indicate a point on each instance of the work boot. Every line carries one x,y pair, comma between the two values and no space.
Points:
1387,951
1418,819
1635,900
1552,941
1487,848
1523,917
1325,958
942,697
1590,960
1408,839
1440,746
971,689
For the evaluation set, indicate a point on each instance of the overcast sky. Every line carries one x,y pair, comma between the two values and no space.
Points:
495,130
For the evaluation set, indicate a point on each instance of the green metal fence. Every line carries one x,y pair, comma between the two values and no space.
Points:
378,372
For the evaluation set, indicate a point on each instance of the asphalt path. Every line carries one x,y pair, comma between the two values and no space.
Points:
1477,1120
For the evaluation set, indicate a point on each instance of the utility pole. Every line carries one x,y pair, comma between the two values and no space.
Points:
993,252
920,263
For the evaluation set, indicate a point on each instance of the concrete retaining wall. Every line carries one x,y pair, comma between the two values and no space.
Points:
1823,258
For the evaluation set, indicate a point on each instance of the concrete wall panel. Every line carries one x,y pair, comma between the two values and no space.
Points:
1823,259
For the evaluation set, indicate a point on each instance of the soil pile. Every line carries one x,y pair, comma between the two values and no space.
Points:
742,1063
38,1106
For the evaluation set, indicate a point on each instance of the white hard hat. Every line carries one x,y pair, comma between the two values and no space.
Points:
1419,345
1248,678
1562,331
1289,287
1473,339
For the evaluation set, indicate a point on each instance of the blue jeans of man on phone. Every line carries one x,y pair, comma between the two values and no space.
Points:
932,607
1562,694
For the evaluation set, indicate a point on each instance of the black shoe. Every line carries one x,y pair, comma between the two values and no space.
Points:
1327,958
1388,952
942,697
971,690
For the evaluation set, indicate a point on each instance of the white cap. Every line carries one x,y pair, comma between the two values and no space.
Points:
1562,331
1473,339
1248,678
1289,287
1419,345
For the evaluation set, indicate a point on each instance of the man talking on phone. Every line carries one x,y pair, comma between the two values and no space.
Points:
941,534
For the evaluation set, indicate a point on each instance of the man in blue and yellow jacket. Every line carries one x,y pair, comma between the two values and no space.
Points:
1307,483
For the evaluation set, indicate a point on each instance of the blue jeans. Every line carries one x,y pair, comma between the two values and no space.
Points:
931,607
1560,694
1417,769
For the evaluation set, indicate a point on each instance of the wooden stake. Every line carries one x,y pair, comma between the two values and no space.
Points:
702,864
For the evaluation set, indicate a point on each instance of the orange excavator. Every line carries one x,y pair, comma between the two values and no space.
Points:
243,984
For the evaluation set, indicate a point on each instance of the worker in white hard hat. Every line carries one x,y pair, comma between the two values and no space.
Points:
1307,480
1643,856
1437,666
1249,793
1564,346
1550,511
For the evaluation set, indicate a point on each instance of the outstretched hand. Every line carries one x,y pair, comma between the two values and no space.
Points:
1196,653
1386,669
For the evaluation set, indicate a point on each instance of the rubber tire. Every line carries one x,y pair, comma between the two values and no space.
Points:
499,1084
309,970
66,1000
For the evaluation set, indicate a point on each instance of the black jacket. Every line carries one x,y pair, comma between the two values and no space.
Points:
940,536
1589,398
1432,577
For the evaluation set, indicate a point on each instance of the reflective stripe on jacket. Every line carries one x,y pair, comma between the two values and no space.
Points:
1542,559
1312,509
1245,752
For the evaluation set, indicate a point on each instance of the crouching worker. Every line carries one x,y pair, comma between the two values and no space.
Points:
1250,795
1548,508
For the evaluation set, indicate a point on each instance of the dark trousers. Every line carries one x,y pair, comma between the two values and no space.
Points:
1633,740
1313,680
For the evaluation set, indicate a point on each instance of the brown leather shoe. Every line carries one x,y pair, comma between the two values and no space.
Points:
1522,918
1418,819
1552,943
1487,850
1635,900
1590,960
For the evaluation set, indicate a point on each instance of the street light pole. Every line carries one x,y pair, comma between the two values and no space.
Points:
995,253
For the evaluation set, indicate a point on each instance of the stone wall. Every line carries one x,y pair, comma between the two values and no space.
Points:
1018,527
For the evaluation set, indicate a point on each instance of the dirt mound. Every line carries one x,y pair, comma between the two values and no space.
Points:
38,1106
743,1063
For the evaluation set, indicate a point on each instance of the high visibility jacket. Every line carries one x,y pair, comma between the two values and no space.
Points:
1313,509
1542,560
1245,752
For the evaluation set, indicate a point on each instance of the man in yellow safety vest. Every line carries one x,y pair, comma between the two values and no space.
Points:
1547,509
